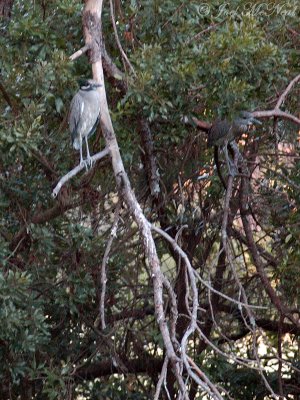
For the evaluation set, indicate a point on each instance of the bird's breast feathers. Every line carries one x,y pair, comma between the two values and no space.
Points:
83,116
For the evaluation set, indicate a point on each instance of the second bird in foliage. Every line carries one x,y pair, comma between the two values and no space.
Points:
223,132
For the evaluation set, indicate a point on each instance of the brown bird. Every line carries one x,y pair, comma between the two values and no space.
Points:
223,132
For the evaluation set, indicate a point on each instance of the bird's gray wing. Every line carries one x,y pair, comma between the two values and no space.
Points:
91,111
218,133
92,131
75,113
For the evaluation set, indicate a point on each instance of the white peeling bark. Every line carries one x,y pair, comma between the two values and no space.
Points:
91,14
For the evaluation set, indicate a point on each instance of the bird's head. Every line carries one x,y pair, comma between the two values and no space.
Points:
88,84
246,118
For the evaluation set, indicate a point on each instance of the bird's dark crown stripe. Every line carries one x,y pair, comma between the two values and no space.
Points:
87,88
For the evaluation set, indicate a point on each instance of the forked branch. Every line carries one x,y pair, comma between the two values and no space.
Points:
76,170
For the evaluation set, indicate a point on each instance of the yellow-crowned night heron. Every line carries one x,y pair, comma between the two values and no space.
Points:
84,116
223,132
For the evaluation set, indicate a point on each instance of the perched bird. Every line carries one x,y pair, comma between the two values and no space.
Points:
84,116
223,132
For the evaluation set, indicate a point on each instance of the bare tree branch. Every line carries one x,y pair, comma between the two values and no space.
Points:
276,113
161,380
77,169
112,71
42,217
256,257
124,56
150,160
286,92
79,52
203,382
107,367
103,279
92,33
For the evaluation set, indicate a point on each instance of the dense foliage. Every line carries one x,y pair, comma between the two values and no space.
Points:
191,59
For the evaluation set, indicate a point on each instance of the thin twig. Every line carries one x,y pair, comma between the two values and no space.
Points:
230,299
150,159
198,35
124,56
228,252
161,379
246,362
275,299
43,160
174,309
7,97
292,31
290,182
203,376
286,92
174,13
103,279
205,385
14,251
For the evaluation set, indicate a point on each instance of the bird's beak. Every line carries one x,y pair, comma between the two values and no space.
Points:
255,121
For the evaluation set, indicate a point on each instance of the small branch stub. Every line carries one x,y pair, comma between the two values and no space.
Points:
79,52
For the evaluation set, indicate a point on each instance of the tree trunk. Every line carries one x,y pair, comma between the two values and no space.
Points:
5,8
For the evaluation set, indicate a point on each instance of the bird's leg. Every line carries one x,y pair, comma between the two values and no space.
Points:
232,170
240,158
82,161
236,150
88,156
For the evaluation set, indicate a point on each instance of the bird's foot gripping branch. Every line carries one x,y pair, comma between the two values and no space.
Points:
77,169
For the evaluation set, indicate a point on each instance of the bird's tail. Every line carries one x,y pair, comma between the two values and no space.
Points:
76,144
